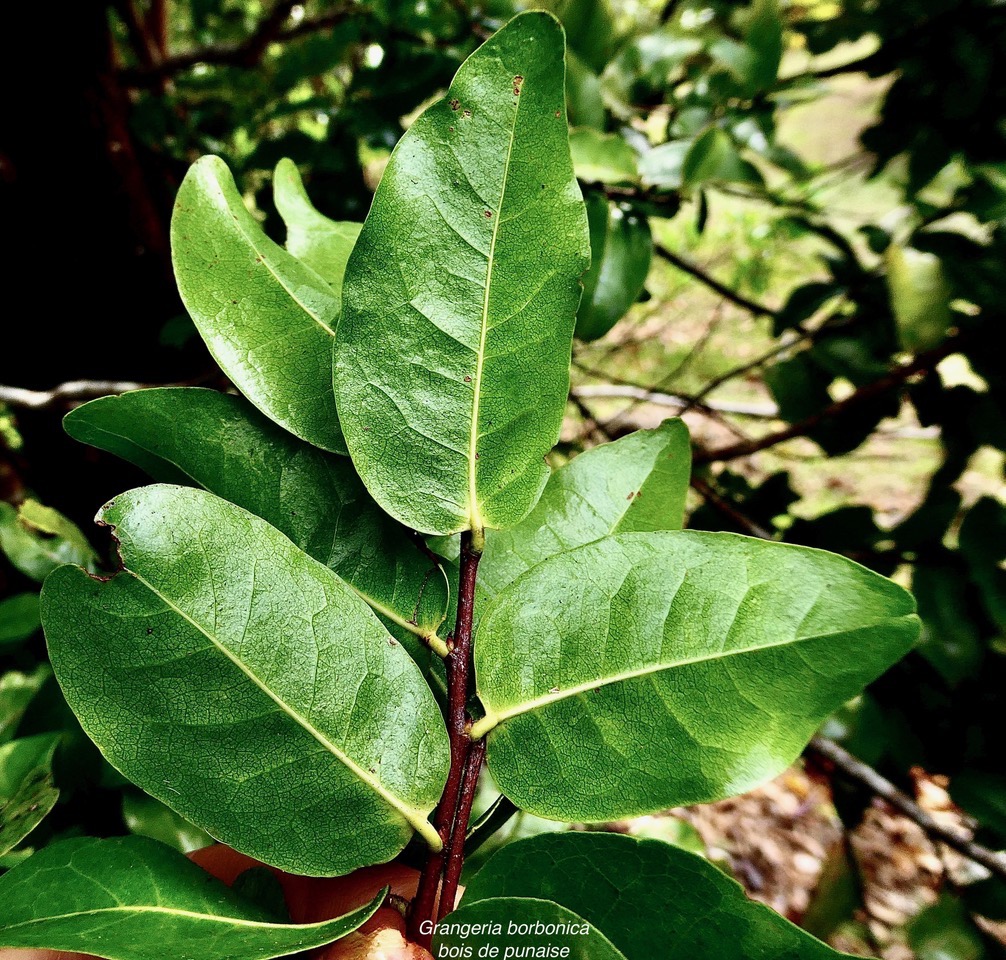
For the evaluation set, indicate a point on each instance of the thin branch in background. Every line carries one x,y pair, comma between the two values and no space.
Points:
923,363
729,510
72,392
157,26
858,772
249,52
764,411
140,38
693,270
743,369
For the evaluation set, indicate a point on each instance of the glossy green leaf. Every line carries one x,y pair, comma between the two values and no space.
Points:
602,157
147,817
131,898
644,893
323,244
37,539
18,618
187,435
514,924
27,793
266,317
653,670
621,250
453,349
246,686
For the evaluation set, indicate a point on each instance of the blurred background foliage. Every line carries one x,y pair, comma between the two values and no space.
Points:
797,215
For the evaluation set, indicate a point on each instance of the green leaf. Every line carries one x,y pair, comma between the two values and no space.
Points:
266,317
920,297
663,165
323,244
245,685
496,920
653,670
37,539
602,157
621,249
714,158
18,618
27,793
17,690
187,435
614,882
635,484
945,931
453,349
147,817
131,898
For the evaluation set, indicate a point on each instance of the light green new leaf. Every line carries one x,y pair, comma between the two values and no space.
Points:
452,354
131,898
652,670
246,686
494,918
641,893
266,317
187,435
323,244
37,539
27,793
621,250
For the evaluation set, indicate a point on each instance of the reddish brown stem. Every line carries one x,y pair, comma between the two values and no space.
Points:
456,852
447,820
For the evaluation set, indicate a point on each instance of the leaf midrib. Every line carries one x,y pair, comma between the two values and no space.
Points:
476,520
493,718
174,912
415,817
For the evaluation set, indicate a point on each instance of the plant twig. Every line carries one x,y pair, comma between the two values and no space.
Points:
761,411
456,852
247,53
74,391
922,363
452,816
729,509
693,270
852,769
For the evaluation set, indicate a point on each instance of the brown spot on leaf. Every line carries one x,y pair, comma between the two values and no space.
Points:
517,81
489,214
467,113
558,113
468,379
455,103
